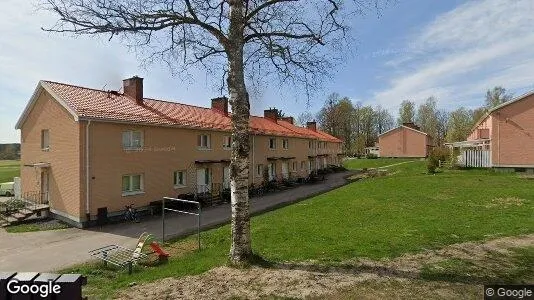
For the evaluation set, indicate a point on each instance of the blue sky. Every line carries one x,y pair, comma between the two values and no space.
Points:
453,50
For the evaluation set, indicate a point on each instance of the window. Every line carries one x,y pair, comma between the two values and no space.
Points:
259,170
294,168
45,139
132,184
204,141
179,178
303,165
310,144
132,139
227,142
285,143
272,143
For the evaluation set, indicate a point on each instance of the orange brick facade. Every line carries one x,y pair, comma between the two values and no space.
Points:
404,142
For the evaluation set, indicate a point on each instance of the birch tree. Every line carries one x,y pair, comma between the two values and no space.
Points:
294,41
406,112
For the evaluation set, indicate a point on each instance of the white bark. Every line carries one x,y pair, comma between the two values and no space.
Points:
240,251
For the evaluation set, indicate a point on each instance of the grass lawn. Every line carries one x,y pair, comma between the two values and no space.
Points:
377,218
360,163
37,226
8,170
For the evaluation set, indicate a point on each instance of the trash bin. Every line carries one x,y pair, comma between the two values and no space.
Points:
71,286
24,278
44,279
4,278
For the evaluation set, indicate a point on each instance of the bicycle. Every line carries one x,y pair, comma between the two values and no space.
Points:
131,214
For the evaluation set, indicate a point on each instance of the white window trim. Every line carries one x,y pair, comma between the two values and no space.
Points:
225,147
208,141
132,148
272,148
180,186
285,144
142,186
47,148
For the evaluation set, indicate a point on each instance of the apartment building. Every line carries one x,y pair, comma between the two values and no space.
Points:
84,150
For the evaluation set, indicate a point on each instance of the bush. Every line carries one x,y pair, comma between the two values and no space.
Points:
371,156
435,156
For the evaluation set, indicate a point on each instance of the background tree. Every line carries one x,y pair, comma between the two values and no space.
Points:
252,39
406,112
496,96
328,115
384,120
477,113
303,118
442,125
459,126
427,117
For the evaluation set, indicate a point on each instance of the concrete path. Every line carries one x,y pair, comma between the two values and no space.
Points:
53,250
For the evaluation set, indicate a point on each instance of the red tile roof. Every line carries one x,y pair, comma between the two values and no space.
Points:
95,104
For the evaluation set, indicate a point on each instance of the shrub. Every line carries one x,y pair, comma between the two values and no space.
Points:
435,156
371,156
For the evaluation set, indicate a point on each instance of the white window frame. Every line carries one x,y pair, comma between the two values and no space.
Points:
227,142
130,145
184,179
294,166
45,142
285,144
259,170
130,191
272,145
201,145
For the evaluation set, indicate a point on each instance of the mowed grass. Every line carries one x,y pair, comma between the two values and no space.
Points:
377,218
360,163
8,170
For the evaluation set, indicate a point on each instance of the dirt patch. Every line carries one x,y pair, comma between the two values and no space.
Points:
506,202
309,280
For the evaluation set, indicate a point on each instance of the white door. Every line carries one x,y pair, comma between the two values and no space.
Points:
226,177
285,170
203,180
325,164
272,171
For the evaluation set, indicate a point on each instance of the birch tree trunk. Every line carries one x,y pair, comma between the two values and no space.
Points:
241,250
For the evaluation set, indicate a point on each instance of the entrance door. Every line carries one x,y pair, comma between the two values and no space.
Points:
272,171
285,170
203,180
44,186
226,177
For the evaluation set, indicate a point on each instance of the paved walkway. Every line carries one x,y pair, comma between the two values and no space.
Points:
53,250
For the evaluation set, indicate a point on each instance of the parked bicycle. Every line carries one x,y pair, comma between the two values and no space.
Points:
131,214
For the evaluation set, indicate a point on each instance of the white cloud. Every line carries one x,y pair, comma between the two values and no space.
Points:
463,52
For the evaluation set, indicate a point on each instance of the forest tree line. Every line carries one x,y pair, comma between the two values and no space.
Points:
360,125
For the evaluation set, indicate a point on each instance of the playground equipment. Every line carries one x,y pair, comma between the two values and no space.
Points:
124,257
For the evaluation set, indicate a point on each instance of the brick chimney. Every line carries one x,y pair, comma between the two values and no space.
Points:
312,125
411,125
289,119
271,114
220,104
133,88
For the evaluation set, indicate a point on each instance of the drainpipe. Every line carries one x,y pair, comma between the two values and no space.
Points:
253,162
87,173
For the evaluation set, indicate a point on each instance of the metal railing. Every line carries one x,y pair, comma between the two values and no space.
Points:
198,214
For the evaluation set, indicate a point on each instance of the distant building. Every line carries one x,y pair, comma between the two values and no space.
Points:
406,140
502,138
375,150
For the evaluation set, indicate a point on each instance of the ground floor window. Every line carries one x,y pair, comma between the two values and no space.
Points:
179,179
132,184
259,170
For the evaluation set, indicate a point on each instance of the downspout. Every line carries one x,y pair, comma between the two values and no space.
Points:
499,139
87,181
253,161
